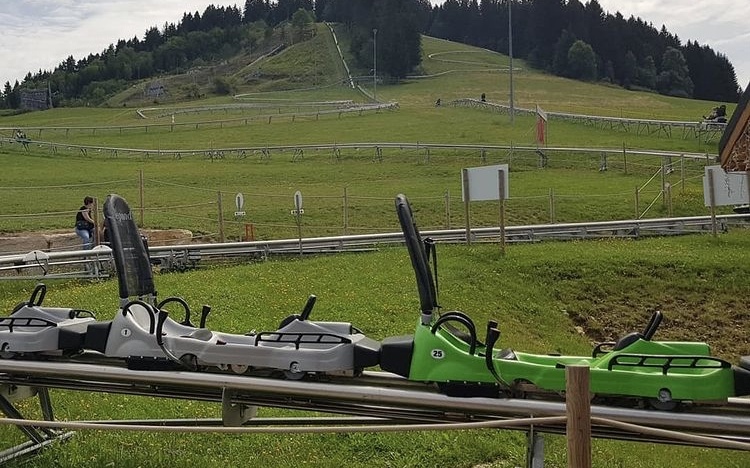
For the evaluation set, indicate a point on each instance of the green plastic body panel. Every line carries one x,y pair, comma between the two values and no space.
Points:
685,369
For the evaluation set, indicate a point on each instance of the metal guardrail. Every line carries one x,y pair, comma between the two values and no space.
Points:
376,107
98,262
709,129
243,152
383,395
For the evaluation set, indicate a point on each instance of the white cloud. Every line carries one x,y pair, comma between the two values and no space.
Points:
720,24
39,34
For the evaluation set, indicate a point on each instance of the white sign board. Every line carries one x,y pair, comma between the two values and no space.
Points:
484,183
239,201
730,188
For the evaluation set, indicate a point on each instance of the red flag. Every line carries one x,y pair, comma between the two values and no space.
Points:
541,126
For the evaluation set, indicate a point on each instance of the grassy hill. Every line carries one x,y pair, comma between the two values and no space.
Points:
274,95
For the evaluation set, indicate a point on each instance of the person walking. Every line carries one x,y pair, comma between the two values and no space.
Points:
85,223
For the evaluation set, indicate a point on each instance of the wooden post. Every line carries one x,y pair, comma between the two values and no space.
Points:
682,174
712,201
97,227
346,212
637,203
624,158
663,183
141,196
465,178
447,209
552,205
221,218
669,199
501,193
510,159
578,410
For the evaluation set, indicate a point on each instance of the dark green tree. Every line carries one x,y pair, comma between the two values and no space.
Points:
256,10
647,73
7,90
674,78
302,23
630,70
562,48
581,61
399,39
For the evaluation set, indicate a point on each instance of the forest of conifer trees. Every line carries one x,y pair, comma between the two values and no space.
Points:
564,37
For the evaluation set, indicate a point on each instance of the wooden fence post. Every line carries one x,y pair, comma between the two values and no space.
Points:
346,212
552,206
637,202
447,199
578,409
221,218
465,177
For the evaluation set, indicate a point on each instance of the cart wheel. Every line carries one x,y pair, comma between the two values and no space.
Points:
238,368
663,401
294,372
189,360
4,353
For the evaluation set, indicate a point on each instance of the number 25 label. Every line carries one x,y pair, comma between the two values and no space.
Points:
437,354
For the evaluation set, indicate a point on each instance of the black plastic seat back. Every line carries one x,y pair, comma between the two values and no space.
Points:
418,255
131,256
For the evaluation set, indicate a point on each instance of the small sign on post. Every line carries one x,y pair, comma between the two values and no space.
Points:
298,211
484,183
722,188
239,201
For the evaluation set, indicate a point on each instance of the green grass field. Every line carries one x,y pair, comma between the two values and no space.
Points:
550,297
184,193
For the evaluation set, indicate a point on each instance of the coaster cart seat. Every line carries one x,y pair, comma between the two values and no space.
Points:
445,350
33,329
143,333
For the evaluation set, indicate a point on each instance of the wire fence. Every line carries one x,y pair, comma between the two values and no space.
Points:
664,184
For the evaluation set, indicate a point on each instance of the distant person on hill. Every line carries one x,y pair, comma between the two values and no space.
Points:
85,223
721,113
718,114
712,115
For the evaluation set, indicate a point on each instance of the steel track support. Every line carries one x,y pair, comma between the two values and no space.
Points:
38,437
534,449
235,414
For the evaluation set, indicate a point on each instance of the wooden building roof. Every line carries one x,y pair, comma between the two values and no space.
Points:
734,146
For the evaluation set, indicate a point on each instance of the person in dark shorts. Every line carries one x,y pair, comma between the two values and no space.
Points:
85,223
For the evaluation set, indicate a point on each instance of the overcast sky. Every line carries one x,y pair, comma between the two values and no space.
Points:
39,34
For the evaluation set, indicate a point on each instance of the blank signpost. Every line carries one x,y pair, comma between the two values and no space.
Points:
485,183
723,188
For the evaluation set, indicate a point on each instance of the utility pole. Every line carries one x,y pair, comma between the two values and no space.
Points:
510,54
375,64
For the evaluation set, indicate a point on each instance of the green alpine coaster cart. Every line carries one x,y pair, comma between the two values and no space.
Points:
446,350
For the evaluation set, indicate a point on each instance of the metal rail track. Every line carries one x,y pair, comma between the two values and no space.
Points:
40,265
386,403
